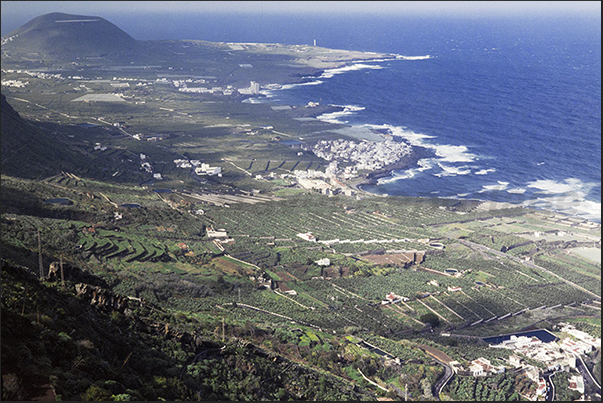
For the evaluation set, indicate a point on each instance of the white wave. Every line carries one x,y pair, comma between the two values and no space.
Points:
413,138
329,73
579,207
453,171
499,186
485,171
289,86
400,57
450,153
548,186
518,191
251,101
588,209
567,196
333,117
445,155
424,165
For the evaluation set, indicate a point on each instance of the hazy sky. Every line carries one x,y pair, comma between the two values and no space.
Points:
402,7
17,13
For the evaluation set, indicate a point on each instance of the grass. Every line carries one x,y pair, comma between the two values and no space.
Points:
589,320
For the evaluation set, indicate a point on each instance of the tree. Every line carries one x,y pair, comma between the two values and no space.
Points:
431,318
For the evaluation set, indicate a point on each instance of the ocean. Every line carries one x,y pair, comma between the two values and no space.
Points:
509,106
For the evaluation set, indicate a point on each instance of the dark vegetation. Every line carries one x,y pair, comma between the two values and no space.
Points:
56,344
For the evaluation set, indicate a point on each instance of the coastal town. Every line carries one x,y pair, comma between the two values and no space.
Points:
364,155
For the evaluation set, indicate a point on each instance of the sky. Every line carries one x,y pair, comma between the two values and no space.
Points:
16,13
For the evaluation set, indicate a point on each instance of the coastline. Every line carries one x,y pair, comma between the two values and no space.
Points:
408,161
535,189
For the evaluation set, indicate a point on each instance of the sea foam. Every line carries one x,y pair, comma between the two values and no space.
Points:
334,117
566,196
329,73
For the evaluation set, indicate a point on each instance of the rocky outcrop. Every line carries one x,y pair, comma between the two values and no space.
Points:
102,297
71,273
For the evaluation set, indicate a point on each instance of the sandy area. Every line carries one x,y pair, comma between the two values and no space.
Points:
593,254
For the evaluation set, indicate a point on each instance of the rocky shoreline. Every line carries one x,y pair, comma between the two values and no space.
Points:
407,161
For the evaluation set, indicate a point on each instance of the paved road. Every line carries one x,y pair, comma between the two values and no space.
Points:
439,385
550,386
448,373
590,383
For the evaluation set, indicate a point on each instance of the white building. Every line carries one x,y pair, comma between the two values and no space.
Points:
575,346
221,233
205,169
254,89
582,336
307,236
576,382
482,366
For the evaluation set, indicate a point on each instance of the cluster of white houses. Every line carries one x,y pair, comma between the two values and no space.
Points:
556,356
182,85
370,155
584,339
201,168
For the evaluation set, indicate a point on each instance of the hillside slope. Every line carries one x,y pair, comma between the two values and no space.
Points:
82,342
34,151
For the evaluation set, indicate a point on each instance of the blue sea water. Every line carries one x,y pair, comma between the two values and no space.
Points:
510,106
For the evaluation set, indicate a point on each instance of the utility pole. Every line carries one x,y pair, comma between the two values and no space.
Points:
62,273
40,255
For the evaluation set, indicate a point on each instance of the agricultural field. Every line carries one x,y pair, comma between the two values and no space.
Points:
356,236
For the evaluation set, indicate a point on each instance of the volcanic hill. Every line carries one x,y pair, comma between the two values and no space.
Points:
67,36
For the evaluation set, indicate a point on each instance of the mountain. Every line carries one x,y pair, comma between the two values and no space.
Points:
67,36
34,150
28,151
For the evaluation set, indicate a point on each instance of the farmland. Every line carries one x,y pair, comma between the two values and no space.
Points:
161,236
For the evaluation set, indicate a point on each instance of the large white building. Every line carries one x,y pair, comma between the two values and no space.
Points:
482,366
205,169
307,236
253,89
